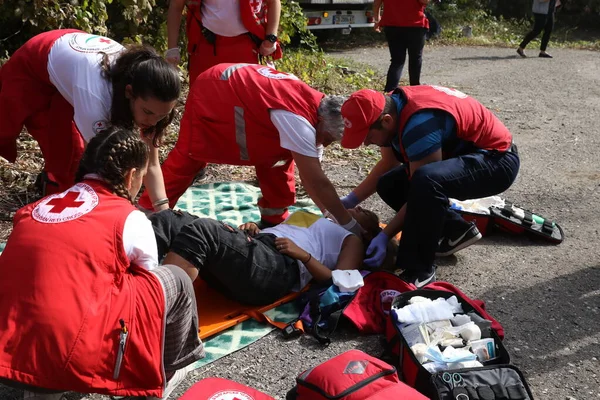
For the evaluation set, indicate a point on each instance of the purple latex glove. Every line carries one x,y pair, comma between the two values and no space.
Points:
350,201
377,250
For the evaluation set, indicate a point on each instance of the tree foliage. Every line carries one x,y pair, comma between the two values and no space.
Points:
123,20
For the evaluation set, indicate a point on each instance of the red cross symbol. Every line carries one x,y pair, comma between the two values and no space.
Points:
104,40
59,204
256,5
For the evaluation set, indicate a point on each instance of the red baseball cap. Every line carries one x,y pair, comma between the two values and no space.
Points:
360,111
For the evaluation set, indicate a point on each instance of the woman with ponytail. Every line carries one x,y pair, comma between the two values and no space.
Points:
85,306
65,86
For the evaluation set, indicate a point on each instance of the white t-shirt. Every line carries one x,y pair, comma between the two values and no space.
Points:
139,241
323,240
223,17
296,133
74,66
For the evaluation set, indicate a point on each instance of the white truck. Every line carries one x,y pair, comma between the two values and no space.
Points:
337,14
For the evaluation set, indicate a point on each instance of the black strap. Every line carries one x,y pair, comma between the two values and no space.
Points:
500,392
486,393
314,298
528,218
517,392
507,210
547,227
473,395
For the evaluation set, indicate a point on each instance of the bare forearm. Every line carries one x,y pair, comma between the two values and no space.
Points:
377,9
154,182
316,269
396,224
369,186
317,201
322,189
273,15
174,22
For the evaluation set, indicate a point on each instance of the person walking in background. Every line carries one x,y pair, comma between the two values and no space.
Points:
405,26
223,31
543,14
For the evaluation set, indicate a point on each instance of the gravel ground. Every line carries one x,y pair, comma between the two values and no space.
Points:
547,297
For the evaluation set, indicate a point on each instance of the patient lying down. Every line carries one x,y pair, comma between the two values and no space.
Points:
256,266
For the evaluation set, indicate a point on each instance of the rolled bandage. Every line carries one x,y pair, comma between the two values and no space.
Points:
174,53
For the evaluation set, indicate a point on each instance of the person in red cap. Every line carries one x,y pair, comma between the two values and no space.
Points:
223,31
436,143
250,114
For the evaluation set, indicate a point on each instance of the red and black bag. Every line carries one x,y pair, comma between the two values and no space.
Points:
222,389
517,221
496,376
367,310
352,375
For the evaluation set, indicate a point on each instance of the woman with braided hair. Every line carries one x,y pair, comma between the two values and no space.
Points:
65,86
84,305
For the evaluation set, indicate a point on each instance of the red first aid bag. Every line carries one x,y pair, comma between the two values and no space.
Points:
222,389
352,375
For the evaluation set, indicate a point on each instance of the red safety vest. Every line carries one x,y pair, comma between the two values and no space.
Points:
227,119
474,122
407,13
253,22
66,283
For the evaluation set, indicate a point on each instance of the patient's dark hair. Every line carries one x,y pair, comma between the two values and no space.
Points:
150,76
111,154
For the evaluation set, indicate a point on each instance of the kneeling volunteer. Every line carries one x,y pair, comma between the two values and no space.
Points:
84,306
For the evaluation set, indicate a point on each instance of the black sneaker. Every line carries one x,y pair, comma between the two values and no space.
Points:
419,278
449,246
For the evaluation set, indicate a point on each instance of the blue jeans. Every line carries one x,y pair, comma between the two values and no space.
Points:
428,216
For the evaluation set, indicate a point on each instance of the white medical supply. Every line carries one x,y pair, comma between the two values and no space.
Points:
347,280
484,349
427,311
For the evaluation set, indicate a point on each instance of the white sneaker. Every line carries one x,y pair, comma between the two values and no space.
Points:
27,395
175,381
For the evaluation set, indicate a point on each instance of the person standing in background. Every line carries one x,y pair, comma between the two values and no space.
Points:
223,31
405,26
543,14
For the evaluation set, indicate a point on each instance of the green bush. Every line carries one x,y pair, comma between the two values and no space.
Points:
123,20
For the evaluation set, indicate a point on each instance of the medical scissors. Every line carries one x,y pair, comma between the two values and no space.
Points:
453,380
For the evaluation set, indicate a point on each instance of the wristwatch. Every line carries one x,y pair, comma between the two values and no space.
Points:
271,38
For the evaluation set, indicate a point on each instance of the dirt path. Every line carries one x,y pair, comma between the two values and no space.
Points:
547,297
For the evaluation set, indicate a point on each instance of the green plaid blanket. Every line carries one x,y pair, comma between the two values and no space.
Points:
235,203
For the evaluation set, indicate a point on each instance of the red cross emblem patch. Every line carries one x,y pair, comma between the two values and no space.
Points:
231,395
66,206
99,126
274,74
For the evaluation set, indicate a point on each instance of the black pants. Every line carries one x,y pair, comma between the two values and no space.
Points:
400,40
247,269
542,22
428,216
